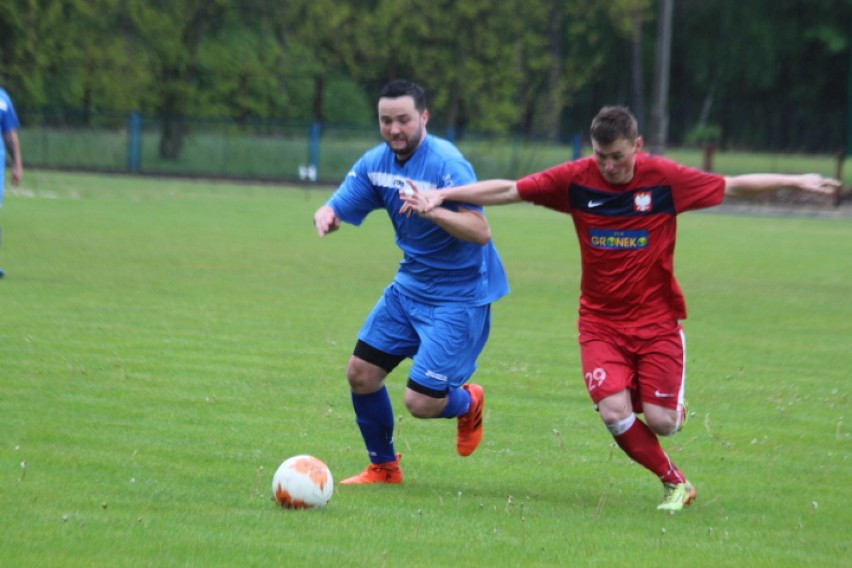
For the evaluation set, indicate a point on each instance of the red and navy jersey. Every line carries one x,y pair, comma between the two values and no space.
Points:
626,232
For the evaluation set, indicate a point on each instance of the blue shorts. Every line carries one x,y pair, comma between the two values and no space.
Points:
444,341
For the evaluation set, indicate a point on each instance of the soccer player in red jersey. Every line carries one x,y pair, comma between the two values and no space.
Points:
624,204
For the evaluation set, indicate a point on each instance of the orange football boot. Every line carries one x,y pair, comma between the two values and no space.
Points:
470,424
387,472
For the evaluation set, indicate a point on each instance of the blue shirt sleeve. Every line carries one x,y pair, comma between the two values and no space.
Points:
458,172
356,197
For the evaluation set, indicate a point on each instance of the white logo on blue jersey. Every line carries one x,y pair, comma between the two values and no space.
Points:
395,182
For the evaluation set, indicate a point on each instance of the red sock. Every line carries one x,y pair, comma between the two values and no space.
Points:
643,447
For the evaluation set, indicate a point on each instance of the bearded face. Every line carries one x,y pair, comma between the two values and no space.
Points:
402,126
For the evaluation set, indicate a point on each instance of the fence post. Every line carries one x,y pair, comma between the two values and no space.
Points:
577,144
709,153
134,143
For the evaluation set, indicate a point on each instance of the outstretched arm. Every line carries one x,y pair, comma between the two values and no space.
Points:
488,192
757,183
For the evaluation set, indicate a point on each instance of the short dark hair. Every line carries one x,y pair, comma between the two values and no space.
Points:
405,88
612,123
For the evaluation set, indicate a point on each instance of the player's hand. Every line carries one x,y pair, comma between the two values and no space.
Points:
326,221
420,202
819,184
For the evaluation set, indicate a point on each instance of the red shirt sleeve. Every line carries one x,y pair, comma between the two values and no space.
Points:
695,189
550,188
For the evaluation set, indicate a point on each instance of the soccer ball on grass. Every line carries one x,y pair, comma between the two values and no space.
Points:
302,482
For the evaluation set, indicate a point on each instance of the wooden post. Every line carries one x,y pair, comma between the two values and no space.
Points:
709,153
838,174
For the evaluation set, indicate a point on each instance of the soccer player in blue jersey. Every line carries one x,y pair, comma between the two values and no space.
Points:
437,309
9,126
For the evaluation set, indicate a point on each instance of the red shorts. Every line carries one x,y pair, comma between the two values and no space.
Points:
649,361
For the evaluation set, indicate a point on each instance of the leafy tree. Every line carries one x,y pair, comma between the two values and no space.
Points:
171,33
234,67
496,67
320,40
31,46
766,71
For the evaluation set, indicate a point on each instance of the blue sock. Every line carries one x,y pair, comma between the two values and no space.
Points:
458,403
374,415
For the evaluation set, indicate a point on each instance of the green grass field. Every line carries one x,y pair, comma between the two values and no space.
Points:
164,345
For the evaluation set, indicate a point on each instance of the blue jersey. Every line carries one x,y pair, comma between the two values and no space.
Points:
8,122
436,267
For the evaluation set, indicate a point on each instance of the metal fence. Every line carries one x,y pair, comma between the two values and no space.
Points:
253,149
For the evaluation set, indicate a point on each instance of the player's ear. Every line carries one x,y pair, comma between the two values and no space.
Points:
425,116
638,144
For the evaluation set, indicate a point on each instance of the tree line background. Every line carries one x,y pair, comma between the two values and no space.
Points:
759,75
